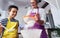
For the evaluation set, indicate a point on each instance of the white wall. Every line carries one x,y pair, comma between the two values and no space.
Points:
56,15
22,11
3,14
51,1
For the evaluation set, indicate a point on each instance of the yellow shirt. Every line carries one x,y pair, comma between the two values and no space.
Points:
11,31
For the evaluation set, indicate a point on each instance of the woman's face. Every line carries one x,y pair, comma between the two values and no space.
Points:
33,4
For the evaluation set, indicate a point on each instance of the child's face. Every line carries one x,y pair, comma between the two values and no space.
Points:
13,12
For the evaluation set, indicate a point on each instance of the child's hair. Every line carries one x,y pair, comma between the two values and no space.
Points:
12,6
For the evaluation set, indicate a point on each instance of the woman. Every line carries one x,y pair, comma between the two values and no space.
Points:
36,17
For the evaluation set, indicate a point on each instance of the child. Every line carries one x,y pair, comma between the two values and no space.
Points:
10,24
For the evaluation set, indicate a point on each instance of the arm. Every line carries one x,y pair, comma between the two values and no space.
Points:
3,24
41,17
38,19
1,28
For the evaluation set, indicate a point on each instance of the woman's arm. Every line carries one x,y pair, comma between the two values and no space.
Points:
38,19
42,17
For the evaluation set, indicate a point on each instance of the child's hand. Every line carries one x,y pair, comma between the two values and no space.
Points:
0,25
0,28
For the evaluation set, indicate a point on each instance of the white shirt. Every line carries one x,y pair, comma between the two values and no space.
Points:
41,12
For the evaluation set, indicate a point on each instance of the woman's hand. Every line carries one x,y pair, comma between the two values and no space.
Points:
41,22
36,17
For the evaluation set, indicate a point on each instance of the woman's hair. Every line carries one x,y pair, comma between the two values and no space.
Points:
12,6
38,1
